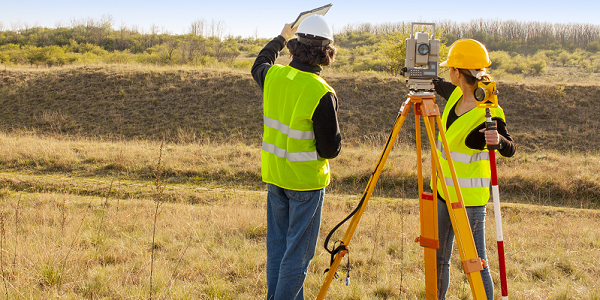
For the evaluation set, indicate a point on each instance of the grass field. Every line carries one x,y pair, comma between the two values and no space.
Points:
79,151
65,246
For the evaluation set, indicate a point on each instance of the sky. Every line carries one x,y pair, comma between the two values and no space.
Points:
266,18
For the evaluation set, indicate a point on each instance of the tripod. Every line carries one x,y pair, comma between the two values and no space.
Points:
425,106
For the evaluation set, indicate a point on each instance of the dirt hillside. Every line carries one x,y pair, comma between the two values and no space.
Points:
196,105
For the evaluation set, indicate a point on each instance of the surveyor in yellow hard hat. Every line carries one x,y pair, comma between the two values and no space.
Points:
467,140
300,133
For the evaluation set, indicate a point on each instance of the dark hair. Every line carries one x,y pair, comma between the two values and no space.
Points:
472,80
320,56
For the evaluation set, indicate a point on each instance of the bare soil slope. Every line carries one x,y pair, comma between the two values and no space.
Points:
196,105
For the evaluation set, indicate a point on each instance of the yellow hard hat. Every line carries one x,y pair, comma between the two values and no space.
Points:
467,54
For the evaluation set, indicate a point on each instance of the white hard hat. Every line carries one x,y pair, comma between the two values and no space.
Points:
317,26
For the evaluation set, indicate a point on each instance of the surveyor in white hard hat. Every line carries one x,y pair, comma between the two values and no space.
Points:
301,133
467,140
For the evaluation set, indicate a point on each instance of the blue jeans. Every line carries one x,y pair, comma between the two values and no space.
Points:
476,216
293,223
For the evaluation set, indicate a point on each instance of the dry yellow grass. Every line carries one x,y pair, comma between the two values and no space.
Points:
39,163
77,223
77,194
73,247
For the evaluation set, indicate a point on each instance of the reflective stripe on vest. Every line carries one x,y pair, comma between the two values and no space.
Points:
468,182
292,133
291,156
461,157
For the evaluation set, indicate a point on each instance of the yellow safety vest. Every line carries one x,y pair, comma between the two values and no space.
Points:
289,157
472,166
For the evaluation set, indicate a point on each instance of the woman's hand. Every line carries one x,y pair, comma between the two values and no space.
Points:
288,32
491,136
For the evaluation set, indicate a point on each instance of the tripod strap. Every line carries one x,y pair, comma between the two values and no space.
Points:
342,249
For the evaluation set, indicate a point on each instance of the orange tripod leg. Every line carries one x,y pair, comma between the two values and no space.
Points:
367,194
472,264
428,217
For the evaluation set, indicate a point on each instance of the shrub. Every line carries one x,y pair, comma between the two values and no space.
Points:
227,50
591,66
594,46
537,67
253,51
118,57
243,64
501,60
369,64
565,58
148,58
393,49
54,55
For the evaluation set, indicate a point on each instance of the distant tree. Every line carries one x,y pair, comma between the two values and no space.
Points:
394,49
167,49
197,27
226,50
191,48
217,29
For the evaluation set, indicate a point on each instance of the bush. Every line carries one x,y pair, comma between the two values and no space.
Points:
501,60
4,58
369,64
50,56
148,58
565,58
592,67
253,51
227,50
54,56
118,57
537,67
594,46
243,64
520,65
93,49
394,49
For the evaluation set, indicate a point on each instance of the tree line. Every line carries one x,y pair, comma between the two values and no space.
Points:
515,36
99,40
362,47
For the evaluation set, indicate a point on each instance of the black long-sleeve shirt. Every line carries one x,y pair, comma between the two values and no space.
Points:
476,139
325,121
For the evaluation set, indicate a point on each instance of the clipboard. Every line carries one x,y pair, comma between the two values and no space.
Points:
317,11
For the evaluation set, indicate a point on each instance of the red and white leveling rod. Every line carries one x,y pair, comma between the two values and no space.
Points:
496,195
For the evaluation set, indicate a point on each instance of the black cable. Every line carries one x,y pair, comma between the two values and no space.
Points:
341,247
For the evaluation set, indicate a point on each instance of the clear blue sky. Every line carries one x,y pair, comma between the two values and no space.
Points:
266,18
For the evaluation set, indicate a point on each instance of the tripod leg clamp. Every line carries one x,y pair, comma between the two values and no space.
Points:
427,243
457,205
474,265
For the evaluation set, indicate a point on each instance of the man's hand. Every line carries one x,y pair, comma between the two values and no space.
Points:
288,32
